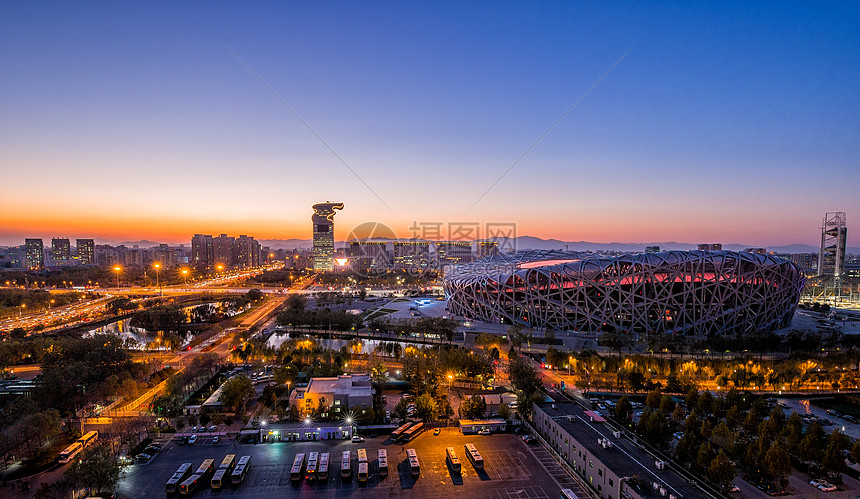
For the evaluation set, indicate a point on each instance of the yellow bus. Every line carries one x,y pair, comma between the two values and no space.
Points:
206,468
296,470
70,452
345,464
474,456
189,486
322,468
398,433
413,462
362,472
88,438
383,463
412,432
362,455
453,460
178,477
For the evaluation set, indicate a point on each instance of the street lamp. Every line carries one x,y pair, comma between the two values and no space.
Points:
23,306
157,280
185,276
117,269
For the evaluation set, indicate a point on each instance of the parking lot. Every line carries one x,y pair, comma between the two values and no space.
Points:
510,469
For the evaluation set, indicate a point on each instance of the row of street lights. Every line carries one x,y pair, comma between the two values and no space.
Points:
157,267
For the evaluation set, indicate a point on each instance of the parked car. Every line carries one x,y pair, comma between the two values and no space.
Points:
357,439
183,440
213,428
216,439
485,431
192,440
143,457
437,431
193,429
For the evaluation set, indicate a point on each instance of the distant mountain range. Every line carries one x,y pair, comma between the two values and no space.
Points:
530,242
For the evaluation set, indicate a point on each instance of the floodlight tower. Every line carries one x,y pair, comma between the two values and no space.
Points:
831,258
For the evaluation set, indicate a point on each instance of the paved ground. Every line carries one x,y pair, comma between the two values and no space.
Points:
511,469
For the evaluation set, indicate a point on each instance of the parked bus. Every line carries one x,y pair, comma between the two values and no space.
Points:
238,475
189,486
398,433
70,452
413,461
362,472
178,477
345,463
206,469
383,463
474,457
322,469
453,460
362,455
412,432
223,472
313,459
88,438
296,470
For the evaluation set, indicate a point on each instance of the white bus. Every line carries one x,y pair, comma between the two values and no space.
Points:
383,463
345,463
296,470
313,460
88,438
178,477
70,452
189,486
362,472
362,455
474,456
453,460
322,469
413,462
238,475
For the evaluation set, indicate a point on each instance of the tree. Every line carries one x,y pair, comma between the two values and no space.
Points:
401,408
721,470
426,407
504,412
235,392
834,459
705,455
523,375
623,409
474,407
97,469
777,463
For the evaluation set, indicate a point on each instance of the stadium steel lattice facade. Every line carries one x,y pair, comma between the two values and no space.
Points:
674,292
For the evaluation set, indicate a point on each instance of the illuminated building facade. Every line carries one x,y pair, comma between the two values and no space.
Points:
672,292
61,250
86,251
323,222
34,251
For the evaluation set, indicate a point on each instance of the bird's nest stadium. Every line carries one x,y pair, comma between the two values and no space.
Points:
672,292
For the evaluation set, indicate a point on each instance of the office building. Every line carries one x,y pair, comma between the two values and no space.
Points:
86,249
61,250
611,465
202,251
411,255
367,256
453,253
711,247
35,254
323,226
834,234
485,249
337,394
247,251
652,249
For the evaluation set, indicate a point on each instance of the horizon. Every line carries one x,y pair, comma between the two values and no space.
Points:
121,123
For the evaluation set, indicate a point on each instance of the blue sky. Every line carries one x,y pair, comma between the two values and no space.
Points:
726,121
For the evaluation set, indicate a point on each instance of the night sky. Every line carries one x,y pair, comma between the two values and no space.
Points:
725,122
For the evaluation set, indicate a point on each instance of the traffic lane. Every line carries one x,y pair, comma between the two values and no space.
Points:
509,469
803,406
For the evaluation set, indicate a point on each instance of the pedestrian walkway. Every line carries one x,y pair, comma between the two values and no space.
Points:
558,473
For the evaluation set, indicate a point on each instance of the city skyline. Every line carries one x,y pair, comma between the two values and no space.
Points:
729,123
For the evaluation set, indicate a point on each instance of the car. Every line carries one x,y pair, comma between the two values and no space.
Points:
357,439
734,488
826,487
157,447
201,429
192,440
183,440
216,439
213,428
150,450
143,457
193,429
437,431
485,431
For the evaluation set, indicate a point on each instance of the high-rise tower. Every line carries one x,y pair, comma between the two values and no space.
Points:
323,220
831,258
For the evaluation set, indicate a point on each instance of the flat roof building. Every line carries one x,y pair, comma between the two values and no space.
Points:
337,394
611,465
86,251
34,251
